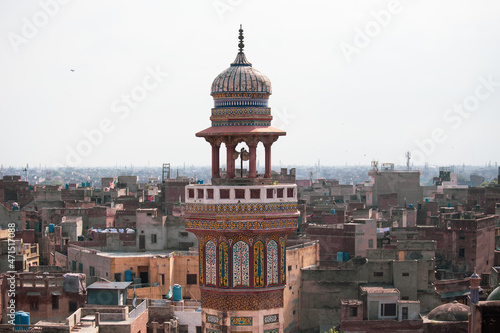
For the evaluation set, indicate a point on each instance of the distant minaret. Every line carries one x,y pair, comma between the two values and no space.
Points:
475,280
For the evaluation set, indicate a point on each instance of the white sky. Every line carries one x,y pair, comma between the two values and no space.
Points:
395,91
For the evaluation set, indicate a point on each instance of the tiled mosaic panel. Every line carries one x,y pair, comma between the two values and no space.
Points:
212,319
272,263
243,225
241,321
210,264
223,265
270,319
258,264
275,330
250,208
282,259
243,302
241,263
200,260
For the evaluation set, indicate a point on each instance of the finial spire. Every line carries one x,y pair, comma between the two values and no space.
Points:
241,45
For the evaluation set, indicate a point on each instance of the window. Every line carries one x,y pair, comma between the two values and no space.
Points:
118,277
462,237
280,193
269,193
191,279
405,274
72,306
34,303
55,302
378,274
239,193
162,279
73,265
153,238
210,193
224,194
200,193
80,267
91,271
255,194
461,253
27,224
404,313
353,311
191,193
388,309
289,192
289,268
405,298
370,243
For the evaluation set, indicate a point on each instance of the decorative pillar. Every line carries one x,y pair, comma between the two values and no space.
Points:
267,147
215,159
230,160
252,164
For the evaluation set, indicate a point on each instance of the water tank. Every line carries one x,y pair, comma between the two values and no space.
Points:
346,256
66,186
51,227
332,211
137,280
449,204
340,256
128,275
22,318
410,206
83,184
426,199
177,292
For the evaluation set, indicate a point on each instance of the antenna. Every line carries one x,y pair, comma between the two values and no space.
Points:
26,172
408,157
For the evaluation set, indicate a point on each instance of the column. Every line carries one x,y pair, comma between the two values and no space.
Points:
215,159
267,147
252,164
229,160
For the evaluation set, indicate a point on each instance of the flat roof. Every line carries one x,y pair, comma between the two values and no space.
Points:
109,285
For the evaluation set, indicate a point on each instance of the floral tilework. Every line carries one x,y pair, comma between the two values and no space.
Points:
241,263
283,267
212,319
270,319
241,225
210,264
241,321
223,265
272,263
258,265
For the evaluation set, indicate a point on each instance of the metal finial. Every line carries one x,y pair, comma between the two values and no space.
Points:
241,45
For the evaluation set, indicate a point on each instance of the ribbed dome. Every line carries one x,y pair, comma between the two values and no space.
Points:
495,295
450,312
241,77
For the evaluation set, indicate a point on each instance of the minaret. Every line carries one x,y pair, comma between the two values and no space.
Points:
241,220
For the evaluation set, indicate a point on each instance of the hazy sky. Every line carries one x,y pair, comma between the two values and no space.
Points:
352,81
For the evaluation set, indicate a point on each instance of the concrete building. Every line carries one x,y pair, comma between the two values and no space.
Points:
380,309
403,183
46,296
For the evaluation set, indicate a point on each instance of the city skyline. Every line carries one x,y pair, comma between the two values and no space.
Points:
352,82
